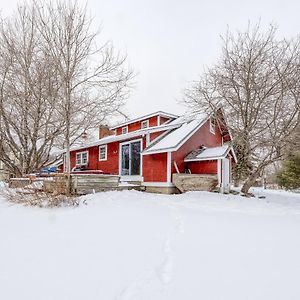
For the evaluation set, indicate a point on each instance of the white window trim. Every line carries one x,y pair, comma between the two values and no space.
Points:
145,122
120,158
212,128
87,158
105,147
125,128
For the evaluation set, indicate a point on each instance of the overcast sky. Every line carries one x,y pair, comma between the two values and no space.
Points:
169,42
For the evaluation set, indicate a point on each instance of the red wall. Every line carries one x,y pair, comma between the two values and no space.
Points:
202,137
163,120
137,125
154,135
155,167
111,165
203,167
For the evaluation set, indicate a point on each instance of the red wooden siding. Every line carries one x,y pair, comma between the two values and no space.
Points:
155,167
203,167
110,166
137,125
202,137
163,120
154,135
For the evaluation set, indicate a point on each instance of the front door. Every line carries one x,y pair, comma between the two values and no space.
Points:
131,158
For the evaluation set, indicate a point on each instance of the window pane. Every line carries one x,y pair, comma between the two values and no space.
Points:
135,158
125,160
102,151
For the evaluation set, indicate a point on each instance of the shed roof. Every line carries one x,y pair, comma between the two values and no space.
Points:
210,153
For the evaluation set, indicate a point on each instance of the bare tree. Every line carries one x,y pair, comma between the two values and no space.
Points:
29,126
257,82
95,79
56,82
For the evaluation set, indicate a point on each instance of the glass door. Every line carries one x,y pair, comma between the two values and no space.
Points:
135,159
125,170
131,158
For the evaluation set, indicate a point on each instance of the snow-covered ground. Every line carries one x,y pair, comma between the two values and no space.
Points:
133,245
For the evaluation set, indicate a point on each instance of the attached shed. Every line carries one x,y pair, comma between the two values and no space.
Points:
215,160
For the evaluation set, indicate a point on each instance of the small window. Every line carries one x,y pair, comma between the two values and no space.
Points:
125,130
212,125
82,158
103,152
145,124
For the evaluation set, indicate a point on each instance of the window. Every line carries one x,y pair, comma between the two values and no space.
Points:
145,124
81,158
125,130
103,152
212,125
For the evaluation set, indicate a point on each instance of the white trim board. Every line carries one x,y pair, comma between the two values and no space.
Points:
158,184
169,167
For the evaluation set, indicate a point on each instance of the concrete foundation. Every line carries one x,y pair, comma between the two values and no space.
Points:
162,190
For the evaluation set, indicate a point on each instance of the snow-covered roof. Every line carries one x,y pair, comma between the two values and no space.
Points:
210,153
158,113
178,131
174,140
132,134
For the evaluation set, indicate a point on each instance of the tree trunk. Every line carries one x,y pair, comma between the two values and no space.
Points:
68,163
68,148
249,182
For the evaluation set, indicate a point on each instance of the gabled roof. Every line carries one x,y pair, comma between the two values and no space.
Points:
158,113
210,154
177,132
129,135
176,138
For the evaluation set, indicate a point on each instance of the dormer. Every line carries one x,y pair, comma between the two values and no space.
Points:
150,120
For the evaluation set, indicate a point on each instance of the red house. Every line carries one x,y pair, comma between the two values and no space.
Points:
151,148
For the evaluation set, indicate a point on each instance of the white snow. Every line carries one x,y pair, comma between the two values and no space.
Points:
214,152
134,245
175,138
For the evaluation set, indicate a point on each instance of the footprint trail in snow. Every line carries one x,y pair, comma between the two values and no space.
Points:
152,284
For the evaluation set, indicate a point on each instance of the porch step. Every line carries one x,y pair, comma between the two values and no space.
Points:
109,188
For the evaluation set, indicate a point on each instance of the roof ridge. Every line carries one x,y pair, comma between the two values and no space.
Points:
157,113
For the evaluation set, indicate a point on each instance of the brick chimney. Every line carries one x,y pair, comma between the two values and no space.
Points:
104,131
